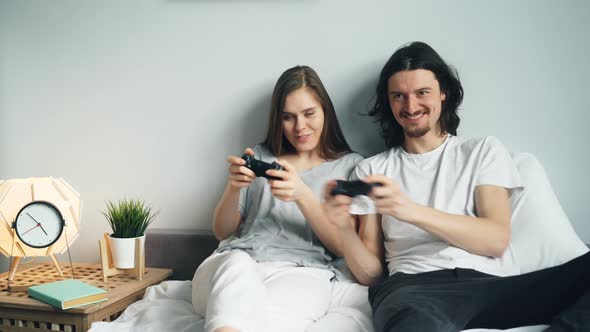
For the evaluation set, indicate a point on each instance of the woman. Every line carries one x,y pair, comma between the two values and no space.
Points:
273,269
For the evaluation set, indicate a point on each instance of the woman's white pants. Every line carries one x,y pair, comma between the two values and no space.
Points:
231,289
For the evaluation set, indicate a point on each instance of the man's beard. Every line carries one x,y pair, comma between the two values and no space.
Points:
416,132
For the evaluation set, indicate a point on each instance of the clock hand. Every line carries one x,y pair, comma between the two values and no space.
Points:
38,223
43,229
32,228
35,220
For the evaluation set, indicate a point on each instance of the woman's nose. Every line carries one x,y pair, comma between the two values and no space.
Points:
300,124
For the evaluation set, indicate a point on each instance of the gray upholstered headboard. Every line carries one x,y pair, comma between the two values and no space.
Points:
179,249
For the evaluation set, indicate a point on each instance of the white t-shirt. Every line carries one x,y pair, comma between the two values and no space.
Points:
445,179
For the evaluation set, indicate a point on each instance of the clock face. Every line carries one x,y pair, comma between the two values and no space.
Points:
39,224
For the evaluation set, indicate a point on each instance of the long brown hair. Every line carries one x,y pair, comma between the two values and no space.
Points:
332,141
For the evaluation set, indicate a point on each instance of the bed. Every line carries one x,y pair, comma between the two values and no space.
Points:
542,236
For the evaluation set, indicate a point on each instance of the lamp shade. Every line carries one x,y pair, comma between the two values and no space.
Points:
16,193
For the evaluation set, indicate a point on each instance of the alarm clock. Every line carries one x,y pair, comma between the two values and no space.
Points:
39,224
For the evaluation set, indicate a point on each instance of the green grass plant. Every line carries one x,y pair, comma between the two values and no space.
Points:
129,217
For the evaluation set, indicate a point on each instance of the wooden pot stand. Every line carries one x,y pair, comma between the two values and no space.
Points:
108,267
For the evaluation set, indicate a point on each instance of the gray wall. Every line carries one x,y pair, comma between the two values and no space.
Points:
147,98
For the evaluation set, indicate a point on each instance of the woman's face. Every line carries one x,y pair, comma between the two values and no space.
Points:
303,119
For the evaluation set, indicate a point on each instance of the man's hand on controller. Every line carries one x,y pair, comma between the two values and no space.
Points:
239,175
336,207
289,187
391,200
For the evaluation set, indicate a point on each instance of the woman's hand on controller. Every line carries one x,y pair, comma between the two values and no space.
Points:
239,175
290,187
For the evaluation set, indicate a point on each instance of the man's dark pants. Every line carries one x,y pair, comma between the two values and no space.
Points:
458,299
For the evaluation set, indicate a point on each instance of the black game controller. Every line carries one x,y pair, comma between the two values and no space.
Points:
353,188
260,167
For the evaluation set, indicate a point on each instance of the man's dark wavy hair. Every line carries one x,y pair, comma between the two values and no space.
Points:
417,55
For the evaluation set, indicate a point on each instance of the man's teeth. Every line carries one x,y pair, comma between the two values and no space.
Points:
415,116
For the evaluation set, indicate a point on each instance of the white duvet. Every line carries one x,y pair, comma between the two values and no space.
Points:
167,307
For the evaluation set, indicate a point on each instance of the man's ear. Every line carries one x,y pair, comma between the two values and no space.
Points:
443,96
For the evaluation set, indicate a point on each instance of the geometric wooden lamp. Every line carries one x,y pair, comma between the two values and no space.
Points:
17,198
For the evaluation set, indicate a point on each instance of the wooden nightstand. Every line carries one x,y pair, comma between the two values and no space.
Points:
18,312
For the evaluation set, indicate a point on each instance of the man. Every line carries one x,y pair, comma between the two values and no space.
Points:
441,218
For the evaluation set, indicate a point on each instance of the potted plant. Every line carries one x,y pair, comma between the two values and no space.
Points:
128,218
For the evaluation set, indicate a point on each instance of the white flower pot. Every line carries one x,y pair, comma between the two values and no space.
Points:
123,251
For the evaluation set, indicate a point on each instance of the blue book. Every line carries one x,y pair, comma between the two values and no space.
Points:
69,293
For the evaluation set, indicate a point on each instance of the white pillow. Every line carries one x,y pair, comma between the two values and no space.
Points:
542,235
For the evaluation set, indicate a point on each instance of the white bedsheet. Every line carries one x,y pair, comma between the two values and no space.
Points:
167,307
